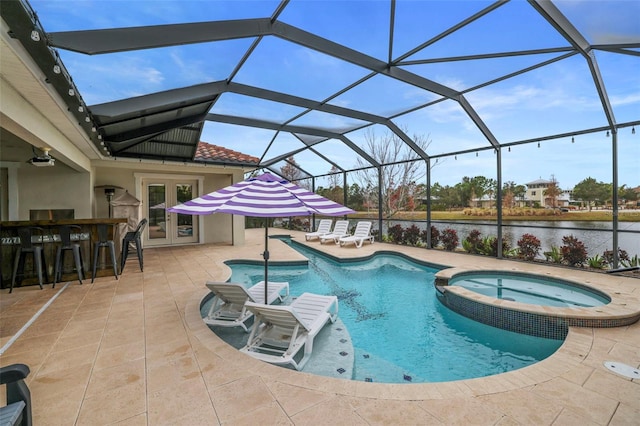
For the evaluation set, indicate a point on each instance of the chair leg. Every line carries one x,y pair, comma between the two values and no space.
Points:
16,265
112,248
125,254
44,265
57,270
96,249
139,250
77,257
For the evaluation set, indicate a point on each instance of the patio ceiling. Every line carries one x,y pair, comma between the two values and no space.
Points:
324,104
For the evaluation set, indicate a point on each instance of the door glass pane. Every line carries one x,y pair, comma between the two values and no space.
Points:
184,192
157,203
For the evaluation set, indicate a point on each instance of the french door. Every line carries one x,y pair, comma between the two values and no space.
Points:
169,228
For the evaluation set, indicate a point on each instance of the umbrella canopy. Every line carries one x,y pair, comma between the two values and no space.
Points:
263,196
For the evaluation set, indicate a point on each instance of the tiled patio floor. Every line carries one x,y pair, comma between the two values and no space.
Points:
134,351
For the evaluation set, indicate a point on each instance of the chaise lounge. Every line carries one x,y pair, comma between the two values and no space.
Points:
360,235
324,227
228,307
340,229
280,332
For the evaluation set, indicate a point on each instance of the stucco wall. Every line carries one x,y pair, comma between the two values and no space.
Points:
58,187
217,228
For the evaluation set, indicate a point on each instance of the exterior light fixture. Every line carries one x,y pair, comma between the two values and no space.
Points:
35,35
56,69
608,134
538,144
476,153
101,143
93,129
80,108
87,119
455,157
509,149
572,139
633,130
100,137
72,92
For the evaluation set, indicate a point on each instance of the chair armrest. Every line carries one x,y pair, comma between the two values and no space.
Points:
18,395
13,373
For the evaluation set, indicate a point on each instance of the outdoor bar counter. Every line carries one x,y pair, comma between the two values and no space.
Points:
87,235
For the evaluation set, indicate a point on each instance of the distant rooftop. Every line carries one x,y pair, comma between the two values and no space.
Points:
213,153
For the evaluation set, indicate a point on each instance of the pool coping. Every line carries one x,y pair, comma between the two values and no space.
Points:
571,354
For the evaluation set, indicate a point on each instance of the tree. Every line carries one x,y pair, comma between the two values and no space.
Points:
590,191
399,173
553,191
447,196
475,188
511,191
626,194
291,171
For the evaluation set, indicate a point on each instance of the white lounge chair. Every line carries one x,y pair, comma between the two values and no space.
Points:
340,229
360,235
324,227
280,332
228,306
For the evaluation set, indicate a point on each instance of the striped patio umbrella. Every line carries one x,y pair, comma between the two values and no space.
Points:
263,196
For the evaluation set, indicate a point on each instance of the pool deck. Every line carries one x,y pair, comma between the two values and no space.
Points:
135,351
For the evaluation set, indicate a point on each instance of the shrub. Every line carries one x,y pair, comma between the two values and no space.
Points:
554,255
472,241
395,233
411,235
634,261
528,247
449,239
506,247
607,257
596,262
435,236
573,251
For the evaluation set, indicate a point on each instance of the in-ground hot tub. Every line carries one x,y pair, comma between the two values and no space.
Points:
534,304
531,289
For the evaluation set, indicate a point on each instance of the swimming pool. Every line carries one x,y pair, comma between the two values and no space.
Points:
530,289
400,331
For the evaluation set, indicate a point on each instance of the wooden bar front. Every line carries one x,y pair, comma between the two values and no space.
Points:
87,235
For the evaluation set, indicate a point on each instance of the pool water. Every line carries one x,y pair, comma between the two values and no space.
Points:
400,331
528,289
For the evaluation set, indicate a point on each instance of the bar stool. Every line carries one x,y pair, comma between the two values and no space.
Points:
27,246
66,245
103,241
133,238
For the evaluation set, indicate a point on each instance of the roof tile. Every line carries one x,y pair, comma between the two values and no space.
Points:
215,153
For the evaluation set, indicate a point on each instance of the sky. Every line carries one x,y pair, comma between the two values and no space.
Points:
560,98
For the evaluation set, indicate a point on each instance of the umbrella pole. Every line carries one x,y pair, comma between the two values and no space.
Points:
265,255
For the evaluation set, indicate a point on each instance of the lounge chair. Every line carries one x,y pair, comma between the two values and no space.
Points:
228,306
281,331
340,229
324,227
360,235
